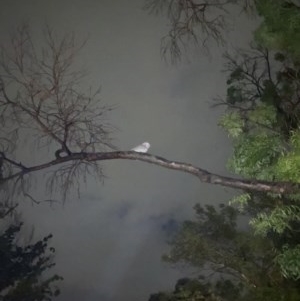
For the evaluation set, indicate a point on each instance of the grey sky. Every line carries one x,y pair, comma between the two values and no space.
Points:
109,243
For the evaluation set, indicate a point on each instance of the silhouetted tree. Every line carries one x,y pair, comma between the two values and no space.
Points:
193,22
23,268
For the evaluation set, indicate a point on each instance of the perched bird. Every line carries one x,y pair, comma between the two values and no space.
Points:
142,148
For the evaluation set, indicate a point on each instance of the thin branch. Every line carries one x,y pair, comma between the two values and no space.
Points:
190,22
9,211
12,162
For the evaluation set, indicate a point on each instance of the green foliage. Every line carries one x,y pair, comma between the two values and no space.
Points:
191,244
22,269
266,133
198,289
241,201
255,155
263,115
267,146
288,165
280,57
187,289
295,140
233,123
289,262
234,94
188,243
245,267
278,220
280,28
213,240
282,224
271,294
236,75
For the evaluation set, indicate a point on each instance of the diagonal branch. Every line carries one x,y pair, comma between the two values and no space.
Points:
202,174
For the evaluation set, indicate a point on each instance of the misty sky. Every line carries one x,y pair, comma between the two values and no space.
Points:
110,241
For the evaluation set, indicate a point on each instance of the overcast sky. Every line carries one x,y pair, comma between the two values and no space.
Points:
109,242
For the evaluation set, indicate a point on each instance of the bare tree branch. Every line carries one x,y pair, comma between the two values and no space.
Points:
257,76
202,174
192,22
42,101
47,98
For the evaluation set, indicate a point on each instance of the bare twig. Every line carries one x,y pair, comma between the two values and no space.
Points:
191,22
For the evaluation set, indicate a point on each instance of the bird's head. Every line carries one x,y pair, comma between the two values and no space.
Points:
146,144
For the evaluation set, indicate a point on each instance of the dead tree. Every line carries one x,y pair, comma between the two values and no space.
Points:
42,101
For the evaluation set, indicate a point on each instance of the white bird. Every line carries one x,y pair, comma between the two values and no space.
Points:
142,148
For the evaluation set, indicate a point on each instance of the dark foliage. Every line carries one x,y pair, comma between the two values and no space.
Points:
22,268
